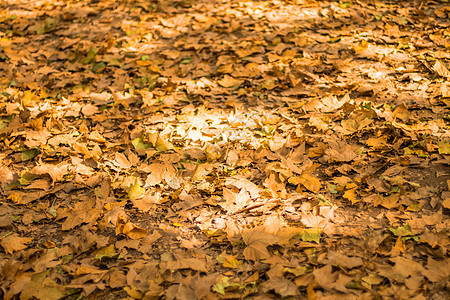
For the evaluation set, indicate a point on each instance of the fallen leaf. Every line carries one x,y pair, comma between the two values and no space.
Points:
257,240
129,229
6,176
338,259
13,242
309,181
228,81
441,69
136,191
122,161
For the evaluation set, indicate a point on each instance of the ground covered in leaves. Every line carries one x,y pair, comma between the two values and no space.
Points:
224,149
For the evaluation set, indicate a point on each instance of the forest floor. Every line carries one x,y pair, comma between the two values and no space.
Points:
224,149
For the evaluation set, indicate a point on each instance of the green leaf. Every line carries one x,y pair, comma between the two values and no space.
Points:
186,60
26,178
108,252
310,235
401,230
29,154
98,67
90,57
139,144
224,282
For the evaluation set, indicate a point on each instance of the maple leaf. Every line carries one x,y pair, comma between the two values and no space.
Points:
310,235
40,286
339,259
158,173
201,171
257,239
281,286
162,144
444,147
441,69
229,261
222,284
234,201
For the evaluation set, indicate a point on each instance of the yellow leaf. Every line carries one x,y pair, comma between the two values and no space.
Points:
162,144
361,46
351,195
136,191
230,261
444,147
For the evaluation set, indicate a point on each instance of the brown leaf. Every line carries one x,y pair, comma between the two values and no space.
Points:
441,69
325,278
148,242
241,182
309,181
158,173
338,259
235,201
147,202
14,242
187,263
201,171
6,176
437,270
89,110
122,161
281,286
96,137
228,81
129,229
257,240
56,172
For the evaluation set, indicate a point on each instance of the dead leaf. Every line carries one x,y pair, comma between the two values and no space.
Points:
441,69
13,242
338,259
257,240
129,229
122,161
309,181
228,81
6,176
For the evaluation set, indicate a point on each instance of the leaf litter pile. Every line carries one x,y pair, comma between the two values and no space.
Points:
224,149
